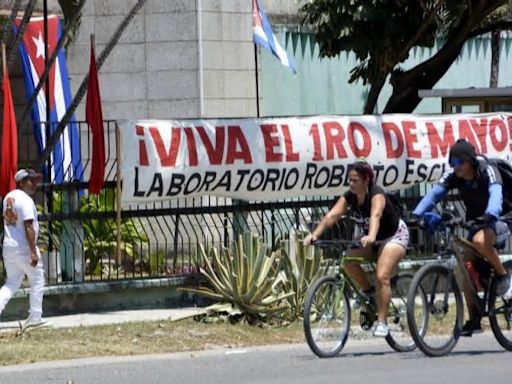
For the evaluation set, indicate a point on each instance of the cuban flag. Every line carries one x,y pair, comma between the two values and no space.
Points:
66,162
263,35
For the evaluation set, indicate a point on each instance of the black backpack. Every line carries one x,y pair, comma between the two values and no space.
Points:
505,169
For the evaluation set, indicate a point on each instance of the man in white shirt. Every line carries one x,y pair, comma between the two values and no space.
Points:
20,252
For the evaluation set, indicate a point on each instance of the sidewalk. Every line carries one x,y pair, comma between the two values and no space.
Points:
117,317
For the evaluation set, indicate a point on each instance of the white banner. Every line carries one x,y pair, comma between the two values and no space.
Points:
272,158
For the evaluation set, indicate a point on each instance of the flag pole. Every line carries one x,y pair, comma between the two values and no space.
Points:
4,60
257,80
47,86
49,195
118,193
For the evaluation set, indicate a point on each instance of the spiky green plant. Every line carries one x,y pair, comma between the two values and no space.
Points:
300,271
245,276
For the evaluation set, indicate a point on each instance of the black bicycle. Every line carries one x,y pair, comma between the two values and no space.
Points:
437,331
327,311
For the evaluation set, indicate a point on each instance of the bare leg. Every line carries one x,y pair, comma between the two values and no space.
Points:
354,269
390,256
484,241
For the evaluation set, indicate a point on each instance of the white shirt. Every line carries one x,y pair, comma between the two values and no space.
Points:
18,207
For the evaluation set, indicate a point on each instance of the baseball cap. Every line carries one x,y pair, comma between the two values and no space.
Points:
22,174
462,150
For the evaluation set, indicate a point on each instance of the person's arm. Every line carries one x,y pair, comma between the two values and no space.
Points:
434,196
328,220
377,208
495,203
31,240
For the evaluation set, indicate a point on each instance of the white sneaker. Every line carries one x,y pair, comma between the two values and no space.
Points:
381,330
508,295
29,323
504,287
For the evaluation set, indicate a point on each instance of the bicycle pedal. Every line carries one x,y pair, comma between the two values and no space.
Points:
367,318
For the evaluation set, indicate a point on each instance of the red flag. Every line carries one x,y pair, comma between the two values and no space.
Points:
9,158
94,117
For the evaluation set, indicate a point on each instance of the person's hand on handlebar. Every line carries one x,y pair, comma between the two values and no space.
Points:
309,239
367,240
432,221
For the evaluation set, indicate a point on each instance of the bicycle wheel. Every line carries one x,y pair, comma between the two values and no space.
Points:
500,314
399,337
326,317
435,327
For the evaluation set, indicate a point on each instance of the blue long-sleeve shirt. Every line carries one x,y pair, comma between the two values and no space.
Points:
434,196
483,195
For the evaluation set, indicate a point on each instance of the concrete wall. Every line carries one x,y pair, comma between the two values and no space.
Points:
177,59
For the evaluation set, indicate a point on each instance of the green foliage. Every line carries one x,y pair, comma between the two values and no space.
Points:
156,262
258,284
245,276
300,271
99,234
376,31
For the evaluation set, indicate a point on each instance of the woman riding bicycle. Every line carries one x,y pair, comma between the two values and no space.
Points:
485,197
385,226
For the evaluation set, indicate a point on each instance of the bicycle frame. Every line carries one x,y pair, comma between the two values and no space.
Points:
454,250
441,282
368,305
462,249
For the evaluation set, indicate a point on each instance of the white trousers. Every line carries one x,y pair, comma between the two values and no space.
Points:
17,266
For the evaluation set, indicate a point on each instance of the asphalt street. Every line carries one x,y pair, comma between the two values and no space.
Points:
477,360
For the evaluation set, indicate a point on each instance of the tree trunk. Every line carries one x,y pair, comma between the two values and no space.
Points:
495,58
373,95
425,75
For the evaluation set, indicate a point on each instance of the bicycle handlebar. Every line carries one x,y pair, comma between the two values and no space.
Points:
342,245
450,220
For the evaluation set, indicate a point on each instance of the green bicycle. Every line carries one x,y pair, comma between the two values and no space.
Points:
327,311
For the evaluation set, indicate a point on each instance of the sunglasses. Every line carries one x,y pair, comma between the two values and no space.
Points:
455,162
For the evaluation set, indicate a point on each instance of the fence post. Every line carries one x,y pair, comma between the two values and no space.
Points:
71,253
118,196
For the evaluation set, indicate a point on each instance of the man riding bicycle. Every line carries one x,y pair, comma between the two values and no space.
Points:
486,198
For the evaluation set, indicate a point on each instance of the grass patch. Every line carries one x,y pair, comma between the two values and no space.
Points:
137,339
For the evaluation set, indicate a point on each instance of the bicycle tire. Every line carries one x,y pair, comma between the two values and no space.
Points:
438,283
500,314
399,337
326,317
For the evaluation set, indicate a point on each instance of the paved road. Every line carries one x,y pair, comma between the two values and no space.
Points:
477,360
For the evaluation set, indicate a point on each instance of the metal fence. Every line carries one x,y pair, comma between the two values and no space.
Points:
79,242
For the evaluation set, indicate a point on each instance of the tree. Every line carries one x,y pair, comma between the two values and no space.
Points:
382,34
502,15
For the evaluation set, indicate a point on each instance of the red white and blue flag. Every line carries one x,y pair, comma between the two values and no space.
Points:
263,35
66,157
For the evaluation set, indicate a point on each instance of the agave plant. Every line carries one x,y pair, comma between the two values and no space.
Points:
301,266
245,276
